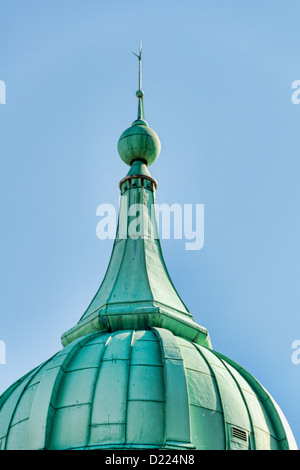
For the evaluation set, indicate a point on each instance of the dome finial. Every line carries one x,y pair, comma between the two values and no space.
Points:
140,65
139,142
140,93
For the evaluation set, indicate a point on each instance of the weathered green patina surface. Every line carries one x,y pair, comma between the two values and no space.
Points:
137,371
140,389
137,291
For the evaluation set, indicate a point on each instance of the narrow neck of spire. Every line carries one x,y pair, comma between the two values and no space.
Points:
140,67
140,115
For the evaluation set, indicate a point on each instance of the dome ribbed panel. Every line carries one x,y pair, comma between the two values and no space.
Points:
140,389
222,401
72,403
108,411
273,432
262,431
114,388
177,416
235,412
206,408
26,411
146,393
8,417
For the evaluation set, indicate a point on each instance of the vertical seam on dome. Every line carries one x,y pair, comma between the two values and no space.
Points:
38,369
266,399
244,400
7,393
127,385
156,333
56,385
94,391
198,347
188,442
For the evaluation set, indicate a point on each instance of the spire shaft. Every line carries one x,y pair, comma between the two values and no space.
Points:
140,93
137,291
140,67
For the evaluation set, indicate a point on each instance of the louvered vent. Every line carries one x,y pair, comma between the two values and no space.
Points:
239,433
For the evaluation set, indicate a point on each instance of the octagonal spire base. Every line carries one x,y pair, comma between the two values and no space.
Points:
140,316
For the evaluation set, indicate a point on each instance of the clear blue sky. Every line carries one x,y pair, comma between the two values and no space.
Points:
217,79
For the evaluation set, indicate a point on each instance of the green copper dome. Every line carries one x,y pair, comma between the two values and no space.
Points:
136,370
140,389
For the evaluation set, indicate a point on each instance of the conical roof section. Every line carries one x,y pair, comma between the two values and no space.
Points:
137,291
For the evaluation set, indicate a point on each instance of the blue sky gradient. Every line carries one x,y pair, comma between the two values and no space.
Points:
217,78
